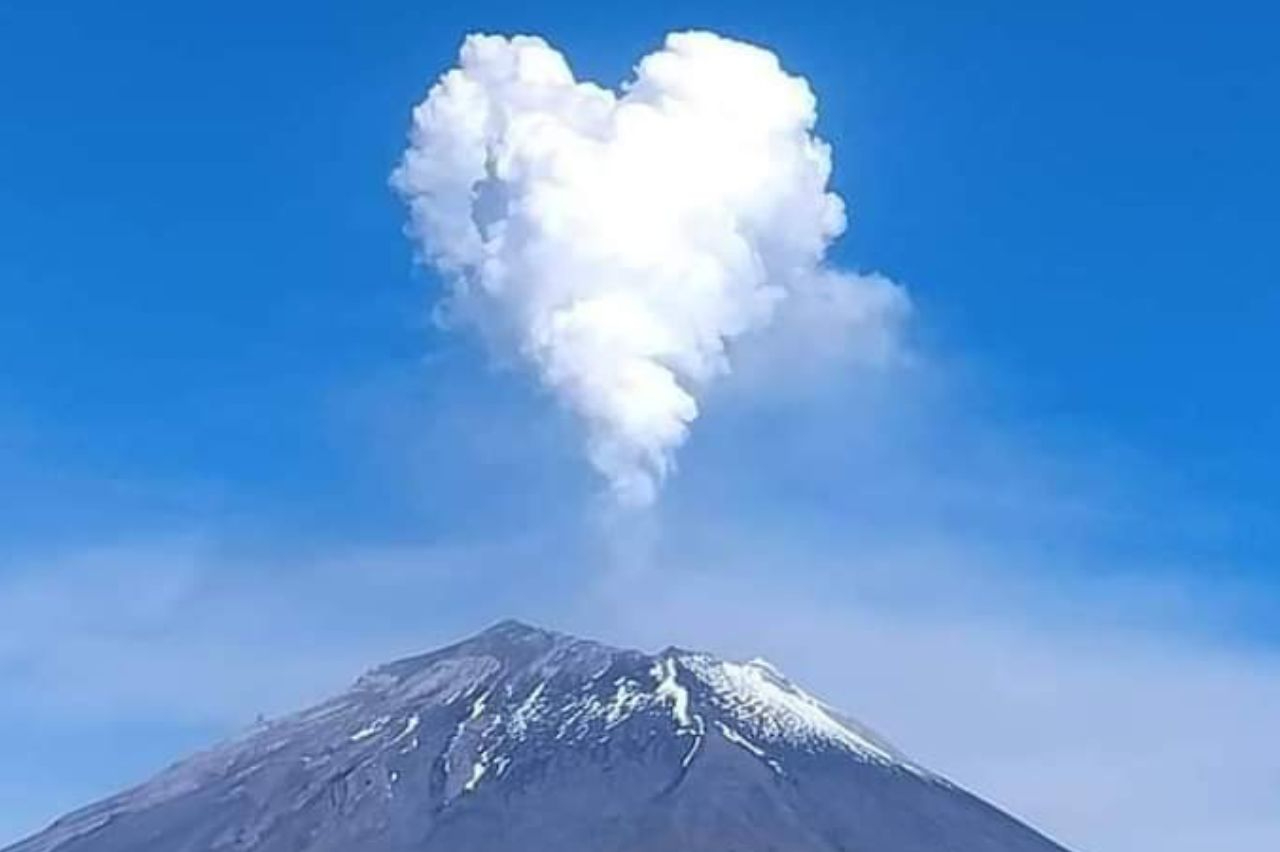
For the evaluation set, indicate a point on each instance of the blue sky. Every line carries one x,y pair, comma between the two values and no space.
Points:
238,463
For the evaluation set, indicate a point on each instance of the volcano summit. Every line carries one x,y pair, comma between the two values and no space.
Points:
525,740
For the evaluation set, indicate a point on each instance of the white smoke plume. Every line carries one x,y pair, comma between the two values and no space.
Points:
619,242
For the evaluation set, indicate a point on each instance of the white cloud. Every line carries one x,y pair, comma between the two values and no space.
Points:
620,242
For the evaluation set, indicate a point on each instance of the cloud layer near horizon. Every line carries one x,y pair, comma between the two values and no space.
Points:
619,243
1108,737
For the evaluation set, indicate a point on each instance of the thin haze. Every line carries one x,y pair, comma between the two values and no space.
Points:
620,243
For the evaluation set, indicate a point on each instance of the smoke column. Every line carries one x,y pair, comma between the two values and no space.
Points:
618,242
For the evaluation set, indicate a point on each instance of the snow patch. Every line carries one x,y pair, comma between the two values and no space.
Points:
477,772
761,701
528,711
669,689
410,725
370,730
742,742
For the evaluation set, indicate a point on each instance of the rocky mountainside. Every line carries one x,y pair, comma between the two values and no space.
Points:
525,740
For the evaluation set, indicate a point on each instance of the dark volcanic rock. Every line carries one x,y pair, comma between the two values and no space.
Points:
523,740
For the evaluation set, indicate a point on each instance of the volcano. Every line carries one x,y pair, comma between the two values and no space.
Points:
525,740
